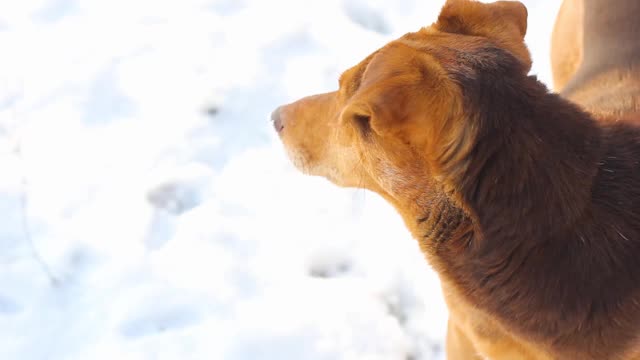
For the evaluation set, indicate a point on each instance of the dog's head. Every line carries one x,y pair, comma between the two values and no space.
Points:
401,117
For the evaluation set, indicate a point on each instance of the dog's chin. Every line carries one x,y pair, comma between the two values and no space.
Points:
302,161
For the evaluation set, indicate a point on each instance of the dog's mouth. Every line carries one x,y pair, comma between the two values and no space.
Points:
276,120
298,156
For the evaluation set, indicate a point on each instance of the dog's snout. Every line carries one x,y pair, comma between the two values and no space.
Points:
276,118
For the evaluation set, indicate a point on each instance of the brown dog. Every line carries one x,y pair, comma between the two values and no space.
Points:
527,206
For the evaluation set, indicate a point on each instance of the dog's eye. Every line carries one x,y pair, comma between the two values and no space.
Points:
363,122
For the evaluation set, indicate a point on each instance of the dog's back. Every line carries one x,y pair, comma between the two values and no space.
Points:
595,55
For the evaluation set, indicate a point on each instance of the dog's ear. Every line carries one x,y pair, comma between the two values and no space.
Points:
372,112
394,106
397,89
384,96
504,22
474,18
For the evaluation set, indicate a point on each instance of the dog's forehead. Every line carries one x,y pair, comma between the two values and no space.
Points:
393,59
454,52
410,58
436,42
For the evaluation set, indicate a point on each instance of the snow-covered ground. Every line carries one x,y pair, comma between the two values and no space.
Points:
148,210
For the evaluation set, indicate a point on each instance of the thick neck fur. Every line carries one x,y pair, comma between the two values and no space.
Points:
544,228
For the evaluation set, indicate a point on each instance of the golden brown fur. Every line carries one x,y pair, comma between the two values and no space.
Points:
595,55
526,206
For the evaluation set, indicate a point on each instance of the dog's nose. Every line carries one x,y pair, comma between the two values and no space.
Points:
277,119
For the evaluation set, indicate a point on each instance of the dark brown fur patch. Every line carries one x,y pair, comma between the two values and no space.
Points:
556,202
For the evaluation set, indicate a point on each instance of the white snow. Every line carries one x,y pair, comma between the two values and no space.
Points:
149,211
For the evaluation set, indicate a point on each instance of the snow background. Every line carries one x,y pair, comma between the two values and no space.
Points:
148,210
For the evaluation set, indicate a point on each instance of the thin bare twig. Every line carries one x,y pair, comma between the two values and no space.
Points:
24,202
26,229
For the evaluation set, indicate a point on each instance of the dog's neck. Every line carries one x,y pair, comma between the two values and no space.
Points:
504,238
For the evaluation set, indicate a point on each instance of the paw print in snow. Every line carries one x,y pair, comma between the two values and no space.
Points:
163,320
